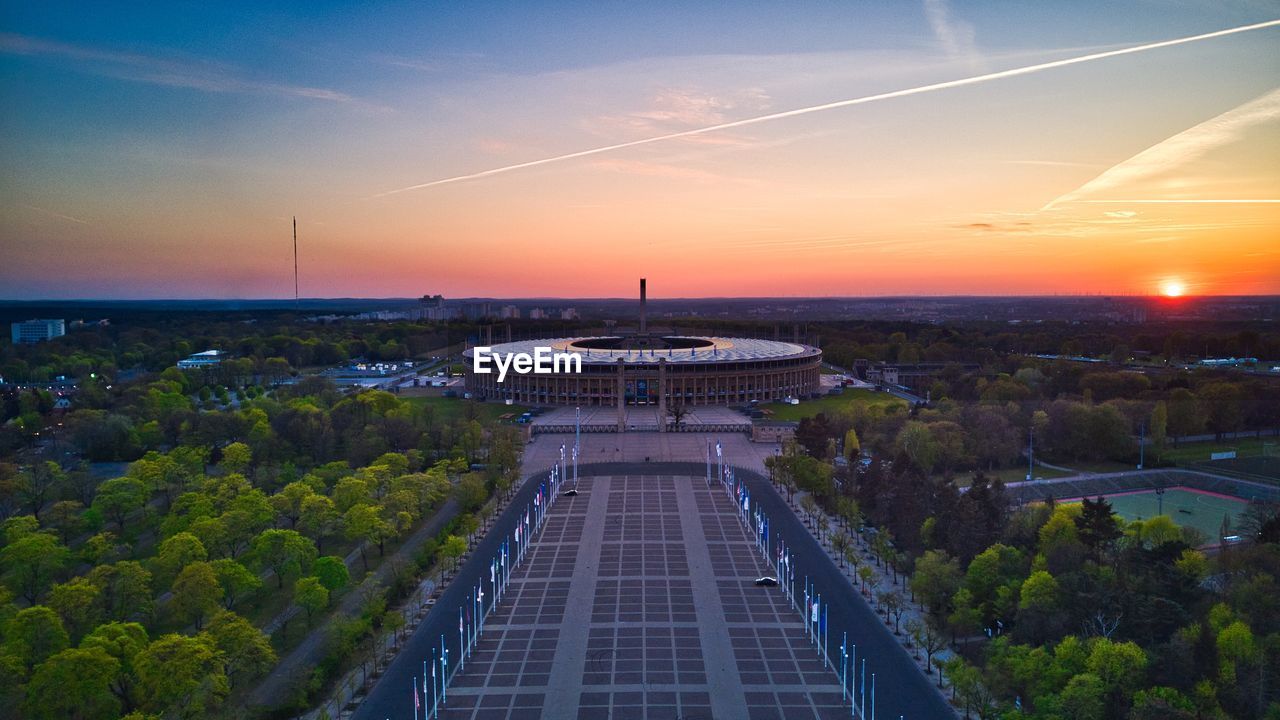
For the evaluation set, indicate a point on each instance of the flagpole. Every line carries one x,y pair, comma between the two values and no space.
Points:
863,683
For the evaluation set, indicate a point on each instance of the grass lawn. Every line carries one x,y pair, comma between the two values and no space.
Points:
830,404
449,409
1199,452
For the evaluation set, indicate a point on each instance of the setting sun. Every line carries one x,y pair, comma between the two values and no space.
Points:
1173,287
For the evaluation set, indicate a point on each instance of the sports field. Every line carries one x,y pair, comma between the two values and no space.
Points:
1190,508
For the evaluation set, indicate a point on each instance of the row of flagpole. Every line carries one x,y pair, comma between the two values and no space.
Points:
473,612
853,681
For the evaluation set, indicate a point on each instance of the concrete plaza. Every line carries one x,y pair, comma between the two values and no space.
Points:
638,600
543,450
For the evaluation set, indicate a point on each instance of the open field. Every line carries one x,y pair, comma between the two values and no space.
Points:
449,409
830,404
1199,452
1189,508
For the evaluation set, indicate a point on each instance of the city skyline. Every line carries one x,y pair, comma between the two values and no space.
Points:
557,151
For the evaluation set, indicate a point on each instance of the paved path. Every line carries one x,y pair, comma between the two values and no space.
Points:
637,600
728,700
571,645
304,657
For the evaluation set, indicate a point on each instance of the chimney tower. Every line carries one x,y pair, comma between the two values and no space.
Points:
643,325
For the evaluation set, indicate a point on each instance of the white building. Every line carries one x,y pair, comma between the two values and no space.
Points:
34,331
208,358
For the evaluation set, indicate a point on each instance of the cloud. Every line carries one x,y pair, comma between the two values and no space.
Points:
1182,148
53,214
674,109
955,36
653,169
135,67
719,128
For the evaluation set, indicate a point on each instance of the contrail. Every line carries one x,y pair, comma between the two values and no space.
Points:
1015,72
1209,201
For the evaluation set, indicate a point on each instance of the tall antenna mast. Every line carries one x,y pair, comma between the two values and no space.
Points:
295,262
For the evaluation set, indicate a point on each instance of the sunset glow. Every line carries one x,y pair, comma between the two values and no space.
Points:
815,150
1173,287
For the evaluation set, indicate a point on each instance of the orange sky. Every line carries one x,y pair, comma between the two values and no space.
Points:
1111,177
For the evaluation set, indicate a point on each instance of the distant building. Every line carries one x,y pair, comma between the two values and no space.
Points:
208,358
34,331
476,311
510,312
569,314
537,314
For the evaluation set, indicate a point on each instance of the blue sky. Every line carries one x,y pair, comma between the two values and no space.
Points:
159,149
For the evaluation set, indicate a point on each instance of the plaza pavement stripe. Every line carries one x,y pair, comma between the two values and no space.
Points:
728,698
565,685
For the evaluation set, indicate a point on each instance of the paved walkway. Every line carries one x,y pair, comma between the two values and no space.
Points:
544,450
638,601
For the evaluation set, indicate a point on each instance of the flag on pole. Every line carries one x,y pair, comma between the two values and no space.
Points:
815,611
416,704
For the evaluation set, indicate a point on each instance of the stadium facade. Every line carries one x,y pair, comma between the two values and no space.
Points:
668,371
661,371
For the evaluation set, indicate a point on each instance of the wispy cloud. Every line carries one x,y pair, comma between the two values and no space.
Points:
53,214
672,109
1179,149
824,107
168,72
955,36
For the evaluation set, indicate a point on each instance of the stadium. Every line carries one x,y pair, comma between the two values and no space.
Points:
655,370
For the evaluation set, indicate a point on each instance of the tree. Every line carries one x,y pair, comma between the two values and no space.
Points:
318,519
1119,667
1224,406
76,602
937,577
245,649
196,593
310,595
1159,427
34,634
332,573
1096,526
290,501
119,498
852,446
917,443
894,605
31,562
364,523
678,413
125,589
235,579
181,676
236,457
1186,414
283,551
75,684
453,548
35,485
471,492
175,553
930,641
122,641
